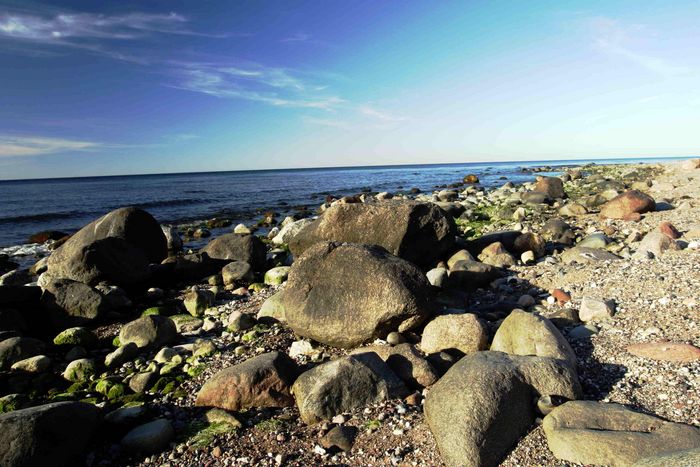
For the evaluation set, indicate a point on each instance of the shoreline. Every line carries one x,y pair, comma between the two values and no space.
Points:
603,284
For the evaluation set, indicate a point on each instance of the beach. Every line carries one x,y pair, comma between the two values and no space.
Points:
501,316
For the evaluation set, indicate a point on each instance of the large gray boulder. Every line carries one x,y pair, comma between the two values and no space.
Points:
480,408
418,232
52,434
588,432
345,384
238,247
346,294
262,381
70,303
115,248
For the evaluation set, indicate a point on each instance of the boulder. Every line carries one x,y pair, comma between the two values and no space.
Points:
656,243
665,351
53,434
15,349
627,204
684,458
529,242
237,271
186,268
70,303
523,333
80,370
357,292
121,355
461,255
480,408
276,276
149,438
289,231
506,237
406,362
418,232
558,231
115,248
172,238
36,364
551,186
588,432
464,332
149,332
496,255
573,210
471,275
345,384
83,337
261,381
584,255
238,247
593,309
197,300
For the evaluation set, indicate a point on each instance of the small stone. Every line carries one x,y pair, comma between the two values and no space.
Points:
528,257
238,321
276,276
413,399
339,419
216,452
394,338
595,310
561,296
149,438
526,301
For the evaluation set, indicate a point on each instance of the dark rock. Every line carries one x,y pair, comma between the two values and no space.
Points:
471,275
192,267
340,437
343,385
15,349
70,303
45,236
115,248
408,364
52,434
421,233
237,247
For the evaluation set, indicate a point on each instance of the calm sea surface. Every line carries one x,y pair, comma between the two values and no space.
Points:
30,206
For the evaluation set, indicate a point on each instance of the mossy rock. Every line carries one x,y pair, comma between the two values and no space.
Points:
12,402
201,434
116,391
116,342
186,323
256,287
196,370
76,336
156,310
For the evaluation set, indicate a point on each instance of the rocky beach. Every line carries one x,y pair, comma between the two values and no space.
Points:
553,322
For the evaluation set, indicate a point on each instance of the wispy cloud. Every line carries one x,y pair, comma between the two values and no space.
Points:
298,37
22,146
616,38
271,85
381,115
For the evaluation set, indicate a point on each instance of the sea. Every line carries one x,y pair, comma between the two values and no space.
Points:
67,204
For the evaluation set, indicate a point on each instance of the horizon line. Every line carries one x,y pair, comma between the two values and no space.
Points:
524,162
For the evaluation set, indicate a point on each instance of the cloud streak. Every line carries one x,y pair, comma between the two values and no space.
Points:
26,146
615,38
270,85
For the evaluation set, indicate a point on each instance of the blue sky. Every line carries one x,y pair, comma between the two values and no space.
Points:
96,88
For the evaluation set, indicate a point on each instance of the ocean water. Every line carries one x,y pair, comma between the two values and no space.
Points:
67,204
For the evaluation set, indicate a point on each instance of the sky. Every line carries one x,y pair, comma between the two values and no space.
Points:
127,87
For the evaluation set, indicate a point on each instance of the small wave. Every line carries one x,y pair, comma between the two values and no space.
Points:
47,216
169,203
